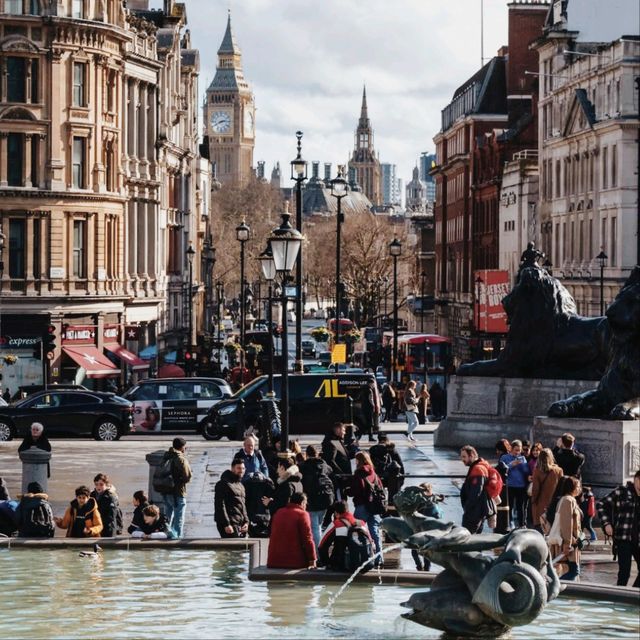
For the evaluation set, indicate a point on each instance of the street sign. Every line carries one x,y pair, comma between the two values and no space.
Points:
291,292
339,354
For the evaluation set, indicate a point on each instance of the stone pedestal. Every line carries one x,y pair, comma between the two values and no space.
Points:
35,467
155,460
612,447
482,410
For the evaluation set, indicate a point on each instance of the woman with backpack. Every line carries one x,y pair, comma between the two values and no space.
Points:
368,497
546,476
317,484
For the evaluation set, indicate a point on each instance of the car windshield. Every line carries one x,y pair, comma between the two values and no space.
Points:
249,388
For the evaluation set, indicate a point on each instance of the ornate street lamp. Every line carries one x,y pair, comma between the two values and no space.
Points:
423,279
190,255
269,273
602,258
243,231
339,189
285,242
395,250
299,175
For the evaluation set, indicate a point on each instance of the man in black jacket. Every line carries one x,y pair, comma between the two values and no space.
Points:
108,506
567,458
475,501
317,484
334,453
388,465
230,507
34,515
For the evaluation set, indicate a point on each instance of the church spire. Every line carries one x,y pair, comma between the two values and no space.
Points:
364,113
229,45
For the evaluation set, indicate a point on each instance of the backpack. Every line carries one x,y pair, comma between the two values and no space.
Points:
38,521
376,497
320,486
119,521
163,481
359,549
494,484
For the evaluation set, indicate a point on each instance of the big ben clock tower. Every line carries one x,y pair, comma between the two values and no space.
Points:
229,115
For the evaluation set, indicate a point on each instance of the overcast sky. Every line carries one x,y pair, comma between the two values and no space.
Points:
307,61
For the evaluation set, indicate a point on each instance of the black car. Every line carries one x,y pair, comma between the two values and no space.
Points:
104,416
308,349
316,402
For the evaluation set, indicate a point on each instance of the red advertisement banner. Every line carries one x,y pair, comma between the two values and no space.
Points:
491,286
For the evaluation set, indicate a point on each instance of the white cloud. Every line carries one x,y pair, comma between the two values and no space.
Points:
307,62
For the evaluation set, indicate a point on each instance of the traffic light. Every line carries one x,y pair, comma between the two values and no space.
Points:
188,361
49,342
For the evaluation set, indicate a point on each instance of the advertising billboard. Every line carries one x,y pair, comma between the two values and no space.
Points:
491,286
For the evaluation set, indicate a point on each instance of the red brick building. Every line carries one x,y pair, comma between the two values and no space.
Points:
491,116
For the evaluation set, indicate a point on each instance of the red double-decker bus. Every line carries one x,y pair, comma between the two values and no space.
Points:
423,355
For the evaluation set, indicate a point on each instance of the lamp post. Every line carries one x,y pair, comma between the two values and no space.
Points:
242,235
479,282
220,295
423,279
395,250
208,262
285,244
299,175
269,273
190,255
602,258
338,191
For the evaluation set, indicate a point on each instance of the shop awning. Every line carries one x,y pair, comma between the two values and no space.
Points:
149,353
92,361
126,356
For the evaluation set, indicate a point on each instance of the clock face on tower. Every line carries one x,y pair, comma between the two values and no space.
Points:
248,123
221,121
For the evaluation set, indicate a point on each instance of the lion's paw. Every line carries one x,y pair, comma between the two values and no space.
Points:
626,411
560,409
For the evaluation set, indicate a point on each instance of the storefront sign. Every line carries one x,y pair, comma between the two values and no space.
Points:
78,335
111,333
19,342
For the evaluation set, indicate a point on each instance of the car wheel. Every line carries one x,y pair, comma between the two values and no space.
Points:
210,431
106,430
6,431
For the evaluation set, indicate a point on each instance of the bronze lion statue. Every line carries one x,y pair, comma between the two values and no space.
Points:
618,394
547,338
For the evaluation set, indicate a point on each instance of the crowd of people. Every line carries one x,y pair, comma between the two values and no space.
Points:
533,486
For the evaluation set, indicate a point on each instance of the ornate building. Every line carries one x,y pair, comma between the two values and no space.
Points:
364,160
87,127
416,199
229,116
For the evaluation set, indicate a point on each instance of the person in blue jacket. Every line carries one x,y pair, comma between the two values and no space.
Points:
517,480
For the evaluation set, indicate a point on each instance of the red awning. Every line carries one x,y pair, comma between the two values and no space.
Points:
126,356
89,358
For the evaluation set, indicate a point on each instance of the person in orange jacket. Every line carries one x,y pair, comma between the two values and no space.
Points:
82,518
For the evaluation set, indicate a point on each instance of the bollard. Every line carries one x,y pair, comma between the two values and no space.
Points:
35,464
155,460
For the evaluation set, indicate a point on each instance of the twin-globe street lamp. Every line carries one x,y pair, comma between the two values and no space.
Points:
191,252
395,250
285,242
602,258
243,231
269,273
338,191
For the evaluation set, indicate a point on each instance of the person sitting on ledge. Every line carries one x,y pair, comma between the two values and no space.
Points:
154,526
35,518
291,544
140,501
82,518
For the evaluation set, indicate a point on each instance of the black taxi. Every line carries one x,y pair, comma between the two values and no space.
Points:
316,402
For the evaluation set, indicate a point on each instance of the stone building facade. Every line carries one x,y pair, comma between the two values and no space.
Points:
85,116
588,133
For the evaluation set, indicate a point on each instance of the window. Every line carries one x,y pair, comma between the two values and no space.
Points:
109,167
16,76
605,168
15,155
16,249
37,245
13,7
79,228
35,79
77,9
614,166
79,153
558,184
79,75
35,165
614,242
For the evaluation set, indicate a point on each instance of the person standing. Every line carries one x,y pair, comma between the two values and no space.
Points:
291,543
388,465
230,513
175,503
108,505
6,396
567,528
546,477
253,459
477,506
388,398
517,481
619,513
567,458
411,408
334,453
317,485
362,485
370,409
423,403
